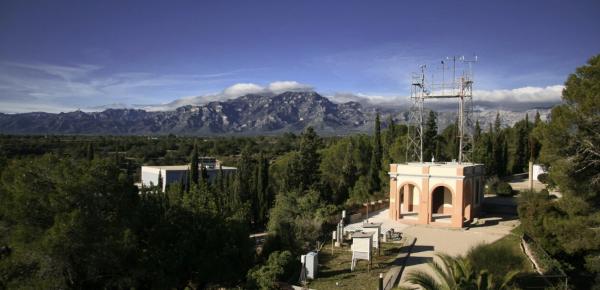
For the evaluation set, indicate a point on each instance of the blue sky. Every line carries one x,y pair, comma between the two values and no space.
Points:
64,55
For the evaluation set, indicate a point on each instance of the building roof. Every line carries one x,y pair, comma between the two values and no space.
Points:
371,225
184,167
441,164
362,235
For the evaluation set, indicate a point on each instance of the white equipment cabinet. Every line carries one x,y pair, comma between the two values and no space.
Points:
310,262
374,228
362,244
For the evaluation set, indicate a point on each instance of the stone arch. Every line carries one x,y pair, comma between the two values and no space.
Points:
414,196
442,198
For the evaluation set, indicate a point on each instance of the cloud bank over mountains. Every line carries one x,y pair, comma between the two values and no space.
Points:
26,87
231,92
518,99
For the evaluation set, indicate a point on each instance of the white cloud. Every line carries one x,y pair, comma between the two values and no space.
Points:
64,72
519,98
287,86
46,87
231,92
87,86
243,89
12,107
521,95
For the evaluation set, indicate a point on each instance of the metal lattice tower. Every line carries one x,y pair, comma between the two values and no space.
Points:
414,149
461,88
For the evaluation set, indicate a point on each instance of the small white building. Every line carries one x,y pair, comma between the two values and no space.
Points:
177,173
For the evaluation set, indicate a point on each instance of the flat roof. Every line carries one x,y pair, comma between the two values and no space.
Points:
371,225
362,235
184,167
440,164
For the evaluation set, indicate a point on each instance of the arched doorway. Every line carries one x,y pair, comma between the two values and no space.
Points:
409,201
441,203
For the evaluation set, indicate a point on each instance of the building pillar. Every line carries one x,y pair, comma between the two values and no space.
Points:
393,192
468,200
458,201
393,199
424,207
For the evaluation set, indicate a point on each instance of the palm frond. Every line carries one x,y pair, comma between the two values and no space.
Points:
508,279
425,280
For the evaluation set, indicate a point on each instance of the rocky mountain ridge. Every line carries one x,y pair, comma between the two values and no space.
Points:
249,115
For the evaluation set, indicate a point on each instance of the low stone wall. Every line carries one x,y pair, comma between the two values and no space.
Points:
394,274
361,212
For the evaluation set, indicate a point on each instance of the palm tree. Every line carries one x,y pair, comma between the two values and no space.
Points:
456,273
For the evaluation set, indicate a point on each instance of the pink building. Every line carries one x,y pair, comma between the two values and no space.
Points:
438,194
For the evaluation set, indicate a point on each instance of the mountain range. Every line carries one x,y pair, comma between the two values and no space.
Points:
252,114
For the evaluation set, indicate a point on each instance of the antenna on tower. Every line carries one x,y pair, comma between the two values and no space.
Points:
461,88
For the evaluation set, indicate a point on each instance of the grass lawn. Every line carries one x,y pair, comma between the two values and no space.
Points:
336,268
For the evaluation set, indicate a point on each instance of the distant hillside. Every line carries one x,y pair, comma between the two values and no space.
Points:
249,114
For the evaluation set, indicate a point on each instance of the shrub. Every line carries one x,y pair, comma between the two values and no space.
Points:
498,259
504,189
492,183
543,178
278,266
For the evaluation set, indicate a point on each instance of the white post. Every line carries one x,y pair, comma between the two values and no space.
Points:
531,175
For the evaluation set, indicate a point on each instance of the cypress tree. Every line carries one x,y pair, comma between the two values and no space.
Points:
378,147
160,180
430,136
477,132
203,176
309,159
521,146
220,180
90,152
534,143
348,173
391,131
489,150
262,189
194,175
245,176
375,180
182,185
